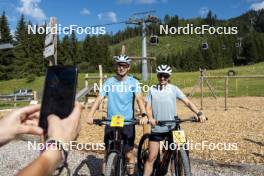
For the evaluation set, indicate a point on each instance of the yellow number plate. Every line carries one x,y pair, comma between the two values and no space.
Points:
179,137
117,121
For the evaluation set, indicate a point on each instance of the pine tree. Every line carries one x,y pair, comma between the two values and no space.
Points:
74,49
210,18
22,50
6,36
6,56
66,51
259,24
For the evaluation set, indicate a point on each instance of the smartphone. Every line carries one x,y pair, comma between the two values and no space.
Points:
59,93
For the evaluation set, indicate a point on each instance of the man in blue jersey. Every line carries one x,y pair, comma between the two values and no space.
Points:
121,91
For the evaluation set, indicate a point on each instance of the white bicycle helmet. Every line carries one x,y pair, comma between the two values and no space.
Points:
123,59
164,69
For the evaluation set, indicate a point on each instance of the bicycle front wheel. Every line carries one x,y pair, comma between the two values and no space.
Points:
142,153
114,165
180,165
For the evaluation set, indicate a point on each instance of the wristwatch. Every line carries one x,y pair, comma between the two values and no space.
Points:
199,114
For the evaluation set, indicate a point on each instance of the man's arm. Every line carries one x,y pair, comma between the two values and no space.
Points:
193,108
141,103
44,165
95,106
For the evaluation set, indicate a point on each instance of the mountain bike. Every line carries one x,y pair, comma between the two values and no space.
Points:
177,157
115,158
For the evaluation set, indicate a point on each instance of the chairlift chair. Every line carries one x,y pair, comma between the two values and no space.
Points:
154,40
205,46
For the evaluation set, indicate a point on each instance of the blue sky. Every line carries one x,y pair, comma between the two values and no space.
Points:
88,12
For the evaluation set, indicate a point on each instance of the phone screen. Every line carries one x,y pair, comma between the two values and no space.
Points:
59,93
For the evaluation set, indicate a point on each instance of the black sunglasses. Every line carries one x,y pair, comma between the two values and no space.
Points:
166,76
123,65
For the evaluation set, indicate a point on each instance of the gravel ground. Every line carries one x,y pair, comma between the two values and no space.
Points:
15,156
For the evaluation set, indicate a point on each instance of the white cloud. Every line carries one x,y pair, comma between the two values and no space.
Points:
32,9
257,6
85,12
108,16
203,11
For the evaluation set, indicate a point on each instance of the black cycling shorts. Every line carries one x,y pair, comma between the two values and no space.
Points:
158,136
127,134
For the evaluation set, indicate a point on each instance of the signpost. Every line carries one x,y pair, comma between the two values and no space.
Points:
50,51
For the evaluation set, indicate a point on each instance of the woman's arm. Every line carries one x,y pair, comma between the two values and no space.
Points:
193,108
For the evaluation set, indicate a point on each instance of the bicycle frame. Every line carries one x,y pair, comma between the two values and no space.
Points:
162,163
117,143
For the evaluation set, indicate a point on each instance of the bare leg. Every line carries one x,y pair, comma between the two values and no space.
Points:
130,157
153,153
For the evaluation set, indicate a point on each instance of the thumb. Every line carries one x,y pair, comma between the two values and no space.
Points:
53,119
26,129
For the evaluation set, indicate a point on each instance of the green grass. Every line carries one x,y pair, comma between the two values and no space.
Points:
167,44
245,87
237,87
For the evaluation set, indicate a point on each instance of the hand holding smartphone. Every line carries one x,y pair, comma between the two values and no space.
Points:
59,93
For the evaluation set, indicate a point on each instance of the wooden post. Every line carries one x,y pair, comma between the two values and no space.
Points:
87,96
50,46
35,96
100,76
86,80
236,86
123,50
226,92
101,84
150,62
202,92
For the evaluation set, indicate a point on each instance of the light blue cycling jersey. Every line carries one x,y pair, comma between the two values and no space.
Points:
121,96
163,103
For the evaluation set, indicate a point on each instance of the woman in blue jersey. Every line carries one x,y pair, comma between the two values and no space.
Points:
161,105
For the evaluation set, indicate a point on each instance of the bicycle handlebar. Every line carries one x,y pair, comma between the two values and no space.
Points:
103,121
178,120
160,122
